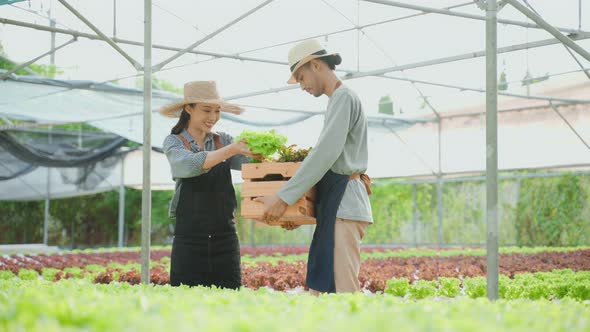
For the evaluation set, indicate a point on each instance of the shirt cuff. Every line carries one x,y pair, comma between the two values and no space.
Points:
285,198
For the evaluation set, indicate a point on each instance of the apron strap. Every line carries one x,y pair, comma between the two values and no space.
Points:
185,142
365,179
216,138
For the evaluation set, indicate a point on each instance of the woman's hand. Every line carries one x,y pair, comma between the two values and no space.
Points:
241,147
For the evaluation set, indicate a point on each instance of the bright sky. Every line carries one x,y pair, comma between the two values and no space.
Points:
180,23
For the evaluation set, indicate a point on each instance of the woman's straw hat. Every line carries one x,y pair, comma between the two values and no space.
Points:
199,92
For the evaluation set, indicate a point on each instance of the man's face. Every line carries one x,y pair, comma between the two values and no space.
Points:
308,78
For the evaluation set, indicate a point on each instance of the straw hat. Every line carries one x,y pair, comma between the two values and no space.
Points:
306,51
199,92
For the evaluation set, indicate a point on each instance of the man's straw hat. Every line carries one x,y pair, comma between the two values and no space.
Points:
306,51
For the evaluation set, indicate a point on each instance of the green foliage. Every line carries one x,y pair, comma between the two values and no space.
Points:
264,143
422,289
75,271
41,69
558,284
475,287
85,221
291,154
168,86
502,83
46,70
553,211
407,253
543,207
74,305
386,105
580,291
449,287
537,290
6,275
48,273
26,274
160,84
397,287
95,268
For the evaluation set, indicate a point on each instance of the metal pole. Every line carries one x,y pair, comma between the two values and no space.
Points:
52,24
414,215
26,64
509,94
47,202
252,230
209,36
571,127
509,110
549,28
463,15
492,149
439,183
146,198
454,58
579,14
27,69
114,18
356,27
104,37
381,72
135,43
121,204
439,202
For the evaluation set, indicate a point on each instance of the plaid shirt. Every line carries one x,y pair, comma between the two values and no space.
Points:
188,164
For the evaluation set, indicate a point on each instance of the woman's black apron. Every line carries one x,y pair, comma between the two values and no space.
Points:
205,249
320,262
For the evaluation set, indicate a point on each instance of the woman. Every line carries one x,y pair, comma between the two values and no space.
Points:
205,249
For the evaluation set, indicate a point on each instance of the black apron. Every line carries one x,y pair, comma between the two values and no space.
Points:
205,249
320,262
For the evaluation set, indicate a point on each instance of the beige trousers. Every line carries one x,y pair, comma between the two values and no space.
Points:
348,235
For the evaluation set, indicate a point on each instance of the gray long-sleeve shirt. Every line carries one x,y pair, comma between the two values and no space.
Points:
342,147
187,164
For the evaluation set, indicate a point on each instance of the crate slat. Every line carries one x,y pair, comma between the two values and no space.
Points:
254,185
269,188
259,171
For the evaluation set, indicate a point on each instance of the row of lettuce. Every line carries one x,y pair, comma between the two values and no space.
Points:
558,284
76,305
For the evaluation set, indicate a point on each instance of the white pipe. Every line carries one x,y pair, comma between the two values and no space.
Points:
492,149
209,36
549,28
146,198
104,37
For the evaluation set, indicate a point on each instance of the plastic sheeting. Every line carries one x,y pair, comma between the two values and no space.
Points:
400,146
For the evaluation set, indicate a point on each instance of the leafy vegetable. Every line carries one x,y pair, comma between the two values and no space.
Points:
290,154
78,305
263,143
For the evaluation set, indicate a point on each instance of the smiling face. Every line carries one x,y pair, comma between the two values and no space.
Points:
203,116
309,78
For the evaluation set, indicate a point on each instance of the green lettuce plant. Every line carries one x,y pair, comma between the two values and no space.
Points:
263,143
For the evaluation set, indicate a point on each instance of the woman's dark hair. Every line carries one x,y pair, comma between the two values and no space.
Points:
182,122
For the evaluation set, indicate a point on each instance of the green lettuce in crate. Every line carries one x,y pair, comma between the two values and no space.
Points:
264,143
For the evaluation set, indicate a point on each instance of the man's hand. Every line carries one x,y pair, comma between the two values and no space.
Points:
289,225
274,208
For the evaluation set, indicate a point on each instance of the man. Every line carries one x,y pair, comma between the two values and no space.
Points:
336,164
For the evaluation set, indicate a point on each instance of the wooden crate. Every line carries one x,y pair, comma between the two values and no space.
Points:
265,179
